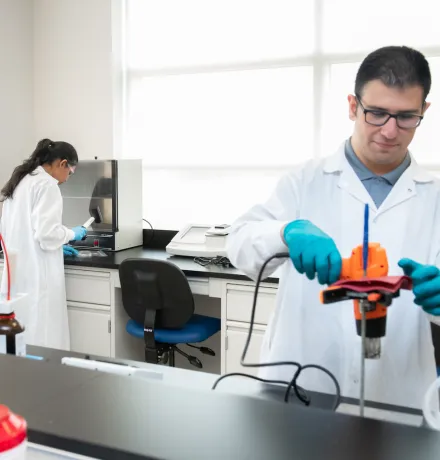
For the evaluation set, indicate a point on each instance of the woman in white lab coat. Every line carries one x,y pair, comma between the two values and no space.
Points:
32,229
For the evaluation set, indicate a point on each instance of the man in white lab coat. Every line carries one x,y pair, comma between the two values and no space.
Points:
316,213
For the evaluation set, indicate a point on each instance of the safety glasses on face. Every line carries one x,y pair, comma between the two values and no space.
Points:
378,117
71,169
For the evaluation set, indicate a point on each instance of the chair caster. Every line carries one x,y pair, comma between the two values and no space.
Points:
207,351
195,362
204,350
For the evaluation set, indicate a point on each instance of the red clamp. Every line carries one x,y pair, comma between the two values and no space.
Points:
373,289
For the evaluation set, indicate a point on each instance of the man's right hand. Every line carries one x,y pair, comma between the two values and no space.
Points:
312,251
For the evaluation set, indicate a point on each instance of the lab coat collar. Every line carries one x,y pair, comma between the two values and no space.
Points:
338,163
41,170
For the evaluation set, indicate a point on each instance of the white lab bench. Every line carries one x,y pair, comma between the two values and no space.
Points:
97,317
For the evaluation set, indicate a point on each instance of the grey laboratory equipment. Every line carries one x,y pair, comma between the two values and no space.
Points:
111,192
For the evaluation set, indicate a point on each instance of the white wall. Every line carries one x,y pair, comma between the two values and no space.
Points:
16,84
57,77
74,82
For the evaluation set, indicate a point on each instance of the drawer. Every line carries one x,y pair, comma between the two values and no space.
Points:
236,336
239,303
88,286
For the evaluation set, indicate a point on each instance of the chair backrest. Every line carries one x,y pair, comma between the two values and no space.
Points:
156,285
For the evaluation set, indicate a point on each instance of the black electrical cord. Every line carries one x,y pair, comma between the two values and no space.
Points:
145,220
152,231
276,382
300,368
323,369
218,260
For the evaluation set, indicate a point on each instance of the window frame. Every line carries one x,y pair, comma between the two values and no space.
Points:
319,61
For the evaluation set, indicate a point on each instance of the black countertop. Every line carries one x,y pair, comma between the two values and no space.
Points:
186,264
113,417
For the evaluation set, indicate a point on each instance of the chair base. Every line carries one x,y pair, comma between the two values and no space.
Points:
166,353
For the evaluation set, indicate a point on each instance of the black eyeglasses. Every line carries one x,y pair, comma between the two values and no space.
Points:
380,117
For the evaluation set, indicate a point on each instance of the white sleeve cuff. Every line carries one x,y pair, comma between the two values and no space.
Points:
70,235
272,236
434,319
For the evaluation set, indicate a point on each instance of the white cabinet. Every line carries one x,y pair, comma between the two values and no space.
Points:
239,301
89,298
239,298
89,331
236,336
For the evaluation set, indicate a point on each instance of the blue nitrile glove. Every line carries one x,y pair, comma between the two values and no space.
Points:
80,233
313,251
69,251
426,284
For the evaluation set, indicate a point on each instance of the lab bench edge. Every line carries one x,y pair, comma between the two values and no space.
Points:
113,260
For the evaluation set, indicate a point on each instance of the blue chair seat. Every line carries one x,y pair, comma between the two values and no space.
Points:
197,329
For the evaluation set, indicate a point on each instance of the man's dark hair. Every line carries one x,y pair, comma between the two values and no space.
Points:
396,67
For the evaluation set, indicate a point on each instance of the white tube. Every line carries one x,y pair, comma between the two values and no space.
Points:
88,222
431,410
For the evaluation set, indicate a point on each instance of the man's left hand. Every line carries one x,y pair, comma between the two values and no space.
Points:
426,284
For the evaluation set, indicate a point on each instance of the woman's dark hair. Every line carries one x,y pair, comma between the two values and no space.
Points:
46,152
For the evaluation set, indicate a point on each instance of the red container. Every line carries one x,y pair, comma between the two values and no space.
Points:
13,435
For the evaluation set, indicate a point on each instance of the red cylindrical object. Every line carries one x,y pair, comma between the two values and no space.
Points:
13,435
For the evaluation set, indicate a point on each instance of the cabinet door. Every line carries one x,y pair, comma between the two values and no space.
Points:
89,331
236,335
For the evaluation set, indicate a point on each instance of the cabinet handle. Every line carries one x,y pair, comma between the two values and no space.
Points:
226,342
109,326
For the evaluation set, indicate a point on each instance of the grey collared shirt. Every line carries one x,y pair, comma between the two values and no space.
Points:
377,186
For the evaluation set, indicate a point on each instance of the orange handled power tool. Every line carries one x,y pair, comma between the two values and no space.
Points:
371,293
366,291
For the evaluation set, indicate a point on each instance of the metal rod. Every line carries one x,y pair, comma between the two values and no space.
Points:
362,306
363,338
365,239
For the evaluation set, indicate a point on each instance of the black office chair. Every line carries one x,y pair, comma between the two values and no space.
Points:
157,297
